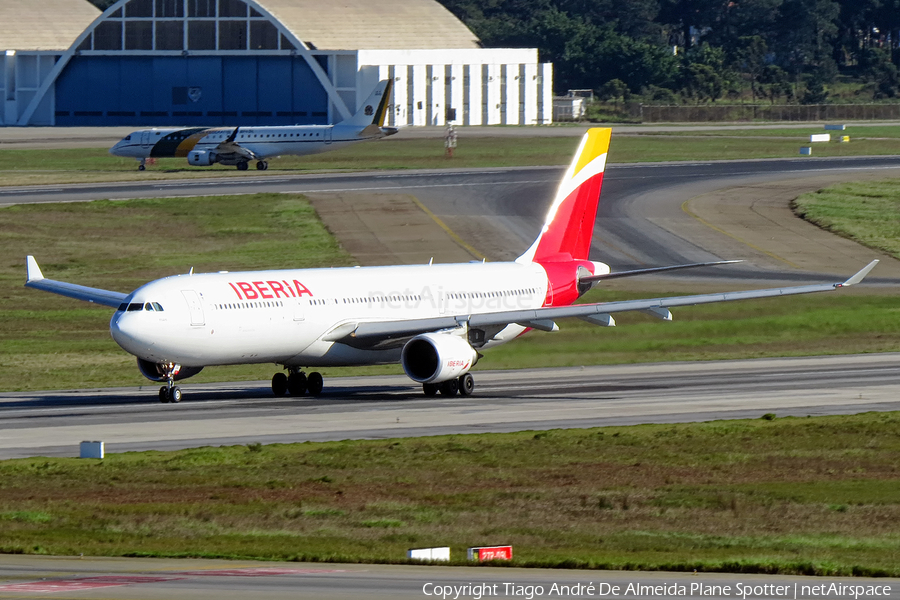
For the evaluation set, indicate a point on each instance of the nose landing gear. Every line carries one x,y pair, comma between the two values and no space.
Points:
170,392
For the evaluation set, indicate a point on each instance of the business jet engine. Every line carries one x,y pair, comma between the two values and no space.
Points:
437,357
202,158
157,372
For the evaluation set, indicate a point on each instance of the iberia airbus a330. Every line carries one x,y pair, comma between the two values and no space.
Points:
237,146
435,320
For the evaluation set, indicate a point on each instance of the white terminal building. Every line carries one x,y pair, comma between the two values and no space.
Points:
257,62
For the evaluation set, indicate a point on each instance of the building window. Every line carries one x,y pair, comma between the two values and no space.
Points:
232,35
201,8
263,36
232,8
169,8
201,35
170,35
139,8
138,35
108,36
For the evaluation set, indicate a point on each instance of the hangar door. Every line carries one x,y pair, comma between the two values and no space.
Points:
189,90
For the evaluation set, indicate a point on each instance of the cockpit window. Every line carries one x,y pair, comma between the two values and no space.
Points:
127,138
148,306
135,306
157,307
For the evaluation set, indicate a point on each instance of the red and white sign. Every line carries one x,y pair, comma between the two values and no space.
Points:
491,553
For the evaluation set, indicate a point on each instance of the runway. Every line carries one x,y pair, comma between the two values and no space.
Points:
126,419
153,579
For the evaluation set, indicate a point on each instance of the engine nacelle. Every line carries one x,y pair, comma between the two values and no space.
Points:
157,372
437,357
202,158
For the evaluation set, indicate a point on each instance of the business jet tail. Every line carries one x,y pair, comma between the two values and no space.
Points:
373,113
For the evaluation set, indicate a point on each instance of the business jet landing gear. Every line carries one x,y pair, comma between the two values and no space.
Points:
464,386
242,166
142,166
297,383
262,166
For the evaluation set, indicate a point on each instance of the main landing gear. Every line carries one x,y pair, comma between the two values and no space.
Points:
297,383
464,386
142,166
242,166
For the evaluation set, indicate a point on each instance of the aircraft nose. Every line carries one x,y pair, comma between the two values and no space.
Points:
129,332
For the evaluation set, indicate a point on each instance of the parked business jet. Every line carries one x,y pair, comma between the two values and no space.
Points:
435,320
204,146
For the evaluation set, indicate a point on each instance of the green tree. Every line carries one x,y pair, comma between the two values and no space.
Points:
776,83
878,68
706,75
751,60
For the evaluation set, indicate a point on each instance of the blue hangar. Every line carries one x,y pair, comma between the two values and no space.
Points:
256,62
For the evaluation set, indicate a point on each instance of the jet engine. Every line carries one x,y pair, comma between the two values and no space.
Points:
157,372
202,158
437,357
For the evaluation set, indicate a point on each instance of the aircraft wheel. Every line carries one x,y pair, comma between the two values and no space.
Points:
450,387
175,394
315,383
279,384
242,166
296,384
262,166
142,168
164,394
466,385
430,389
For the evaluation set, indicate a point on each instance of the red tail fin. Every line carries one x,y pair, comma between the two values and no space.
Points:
567,231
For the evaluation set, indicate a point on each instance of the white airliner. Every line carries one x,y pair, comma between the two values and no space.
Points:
204,146
435,320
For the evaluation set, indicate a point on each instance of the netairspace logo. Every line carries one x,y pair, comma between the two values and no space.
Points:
744,591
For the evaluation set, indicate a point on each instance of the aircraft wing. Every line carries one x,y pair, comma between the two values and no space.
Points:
370,334
35,279
229,146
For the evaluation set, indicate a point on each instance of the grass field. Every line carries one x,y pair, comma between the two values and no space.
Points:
26,167
866,212
49,342
793,495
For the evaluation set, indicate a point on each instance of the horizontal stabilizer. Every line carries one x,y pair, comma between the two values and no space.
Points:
370,131
594,278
